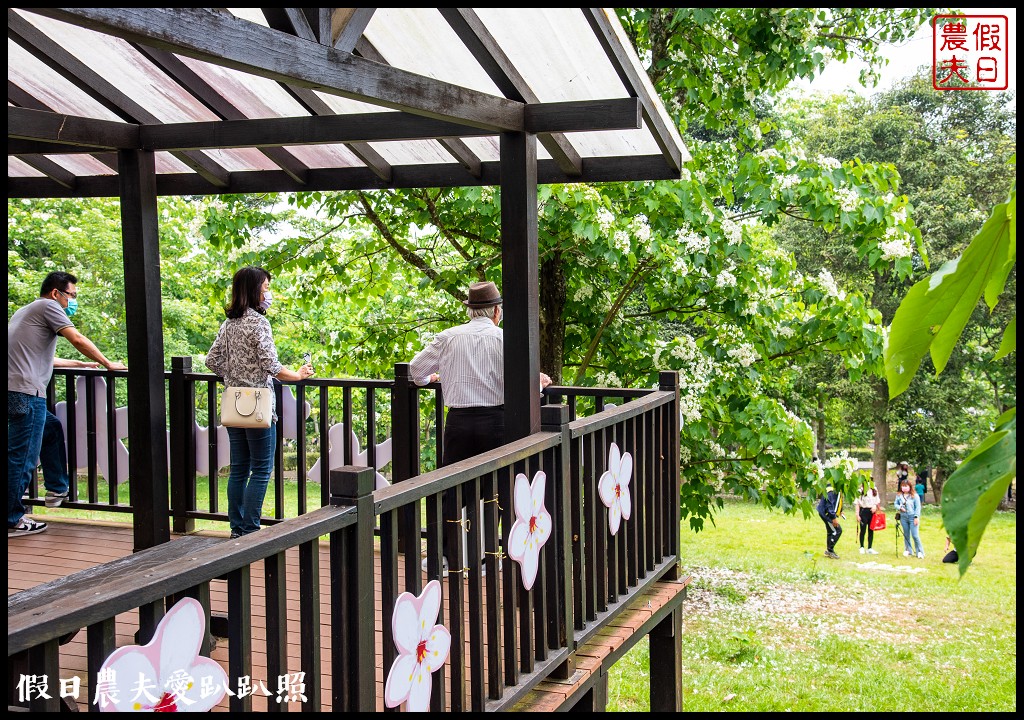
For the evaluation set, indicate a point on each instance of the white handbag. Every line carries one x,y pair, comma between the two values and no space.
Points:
246,407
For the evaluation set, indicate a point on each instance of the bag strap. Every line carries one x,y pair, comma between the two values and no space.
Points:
255,406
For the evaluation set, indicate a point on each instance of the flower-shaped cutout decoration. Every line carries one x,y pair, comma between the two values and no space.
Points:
532,527
614,487
422,648
168,674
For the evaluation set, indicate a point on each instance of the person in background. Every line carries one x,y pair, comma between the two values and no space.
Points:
920,485
866,505
33,432
908,505
830,509
902,473
244,356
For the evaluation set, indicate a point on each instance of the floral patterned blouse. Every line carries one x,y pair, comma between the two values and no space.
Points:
244,354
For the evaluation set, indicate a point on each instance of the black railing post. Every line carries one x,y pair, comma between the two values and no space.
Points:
405,457
559,489
353,686
182,400
668,380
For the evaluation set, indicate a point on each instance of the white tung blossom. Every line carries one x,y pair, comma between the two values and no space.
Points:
692,242
725,279
896,245
848,199
829,162
744,354
828,284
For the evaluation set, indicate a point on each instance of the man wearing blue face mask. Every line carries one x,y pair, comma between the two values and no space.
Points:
33,432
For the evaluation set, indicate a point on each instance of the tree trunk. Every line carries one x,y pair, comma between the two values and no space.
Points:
820,430
552,317
880,455
937,480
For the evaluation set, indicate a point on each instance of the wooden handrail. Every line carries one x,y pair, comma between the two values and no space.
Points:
609,417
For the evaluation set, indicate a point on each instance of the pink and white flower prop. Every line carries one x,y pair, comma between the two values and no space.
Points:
168,674
422,648
614,487
532,527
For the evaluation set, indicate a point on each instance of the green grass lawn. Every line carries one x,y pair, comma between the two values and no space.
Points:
772,625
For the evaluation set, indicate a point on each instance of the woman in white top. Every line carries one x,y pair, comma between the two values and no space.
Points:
867,504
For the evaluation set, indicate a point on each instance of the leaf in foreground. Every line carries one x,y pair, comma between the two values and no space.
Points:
973,492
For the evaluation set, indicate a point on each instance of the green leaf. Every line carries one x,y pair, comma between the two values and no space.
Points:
1009,343
934,313
972,493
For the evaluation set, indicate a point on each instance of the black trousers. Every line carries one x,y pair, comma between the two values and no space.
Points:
471,431
468,432
865,522
832,533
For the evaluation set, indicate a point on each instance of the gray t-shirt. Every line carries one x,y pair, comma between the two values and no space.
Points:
31,343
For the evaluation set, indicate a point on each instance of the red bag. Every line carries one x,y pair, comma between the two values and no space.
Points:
877,521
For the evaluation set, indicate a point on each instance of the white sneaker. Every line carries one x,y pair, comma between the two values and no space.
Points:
862,551
54,499
920,555
444,565
906,553
25,526
872,551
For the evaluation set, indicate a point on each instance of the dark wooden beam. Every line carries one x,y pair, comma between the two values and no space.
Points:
606,169
316,106
224,40
50,169
520,285
348,25
288,22
75,71
586,116
319,20
482,45
607,34
218,104
22,98
50,127
147,417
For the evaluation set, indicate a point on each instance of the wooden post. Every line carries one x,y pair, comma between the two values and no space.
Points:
147,463
559,552
669,380
405,458
182,399
352,604
519,284
666,640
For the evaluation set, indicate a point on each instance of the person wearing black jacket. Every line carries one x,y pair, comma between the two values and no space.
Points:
830,509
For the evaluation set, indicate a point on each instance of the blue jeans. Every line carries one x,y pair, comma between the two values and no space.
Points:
32,431
252,462
910,530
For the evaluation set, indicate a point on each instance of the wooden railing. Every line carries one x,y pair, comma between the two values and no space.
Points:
505,638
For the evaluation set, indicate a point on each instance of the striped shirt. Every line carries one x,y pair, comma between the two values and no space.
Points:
470,360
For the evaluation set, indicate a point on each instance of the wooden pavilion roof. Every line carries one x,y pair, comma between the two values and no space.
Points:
289,99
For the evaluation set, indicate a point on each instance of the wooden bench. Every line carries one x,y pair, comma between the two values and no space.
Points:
656,612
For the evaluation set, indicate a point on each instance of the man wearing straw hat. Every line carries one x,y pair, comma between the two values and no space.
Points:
469,361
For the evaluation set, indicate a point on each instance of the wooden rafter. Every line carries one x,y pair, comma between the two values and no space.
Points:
77,72
224,40
468,26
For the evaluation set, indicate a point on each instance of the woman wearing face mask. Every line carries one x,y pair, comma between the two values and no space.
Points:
244,355
908,505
